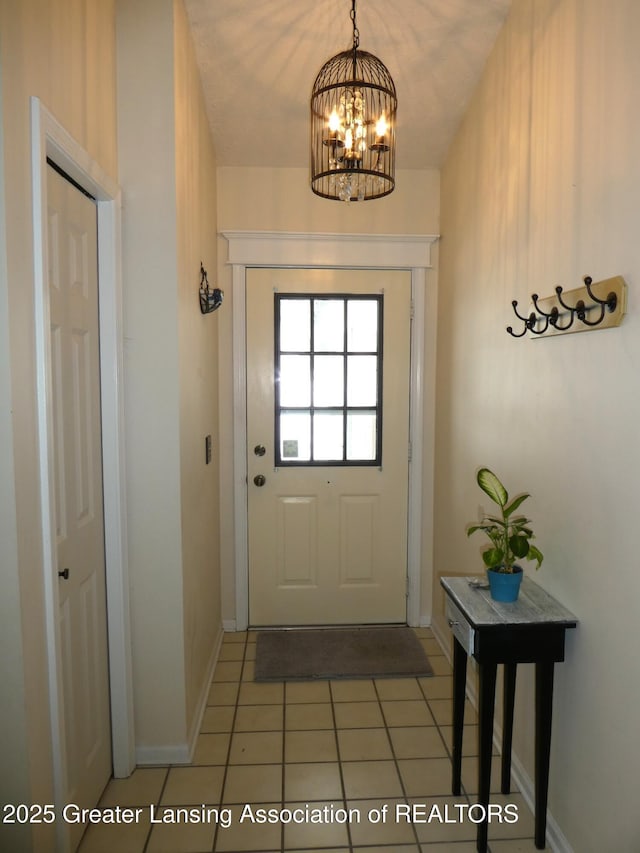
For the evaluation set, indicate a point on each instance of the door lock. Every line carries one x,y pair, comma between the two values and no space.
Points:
259,450
259,480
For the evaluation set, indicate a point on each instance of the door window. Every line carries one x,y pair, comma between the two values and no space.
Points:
328,379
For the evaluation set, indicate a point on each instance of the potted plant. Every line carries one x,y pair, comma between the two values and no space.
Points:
510,537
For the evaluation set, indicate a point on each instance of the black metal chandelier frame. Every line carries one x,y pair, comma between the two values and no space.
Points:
353,121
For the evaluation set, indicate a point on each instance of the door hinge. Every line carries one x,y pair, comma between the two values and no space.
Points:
406,594
409,452
412,310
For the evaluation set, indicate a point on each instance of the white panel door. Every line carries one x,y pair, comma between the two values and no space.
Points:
75,384
327,426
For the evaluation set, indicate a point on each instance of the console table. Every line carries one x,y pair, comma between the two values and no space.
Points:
530,630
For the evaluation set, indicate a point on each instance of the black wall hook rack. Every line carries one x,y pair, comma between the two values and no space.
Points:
599,304
210,299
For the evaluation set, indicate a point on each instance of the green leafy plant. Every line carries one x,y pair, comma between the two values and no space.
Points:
509,534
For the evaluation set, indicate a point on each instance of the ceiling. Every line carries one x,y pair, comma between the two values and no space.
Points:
258,60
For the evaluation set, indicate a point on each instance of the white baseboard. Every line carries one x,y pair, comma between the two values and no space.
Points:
196,723
161,755
229,626
556,840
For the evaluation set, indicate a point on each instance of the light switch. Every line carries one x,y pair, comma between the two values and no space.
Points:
207,448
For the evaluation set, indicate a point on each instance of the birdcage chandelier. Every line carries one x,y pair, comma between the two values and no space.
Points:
353,126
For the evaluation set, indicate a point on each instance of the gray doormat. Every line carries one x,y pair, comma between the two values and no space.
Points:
305,655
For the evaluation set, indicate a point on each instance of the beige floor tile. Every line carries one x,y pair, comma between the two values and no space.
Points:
432,647
398,688
248,670
440,665
454,847
307,691
503,829
358,715
258,718
228,671
418,742
188,785
442,823
142,788
256,748
423,632
223,693
231,651
252,693
125,838
253,783
360,690
470,774
217,718
370,779
514,845
234,637
397,848
311,715
363,744
250,651
424,777
442,710
437,687
378,824
212,749
469,739
409,713
181,838
315,835
247,834
310,746
309,782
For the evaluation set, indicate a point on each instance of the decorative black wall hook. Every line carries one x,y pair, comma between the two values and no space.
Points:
604,300
210,300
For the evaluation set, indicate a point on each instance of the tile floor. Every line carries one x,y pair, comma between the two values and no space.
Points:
372,748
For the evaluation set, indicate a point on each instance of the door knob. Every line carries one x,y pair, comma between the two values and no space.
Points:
259,450
259,479
64,574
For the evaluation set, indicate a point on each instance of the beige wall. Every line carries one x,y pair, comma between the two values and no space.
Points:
64,53
281,200
169,217
540,188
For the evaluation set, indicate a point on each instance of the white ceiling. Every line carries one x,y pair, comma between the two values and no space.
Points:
258,60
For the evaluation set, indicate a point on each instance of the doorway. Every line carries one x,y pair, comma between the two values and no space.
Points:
328,355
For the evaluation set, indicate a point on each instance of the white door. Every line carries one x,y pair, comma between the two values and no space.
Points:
327,426
75,399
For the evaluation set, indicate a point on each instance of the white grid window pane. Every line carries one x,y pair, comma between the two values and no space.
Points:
362,380
362,438
362,325
295,325
328,380
328,325
328,441
295,380
295,436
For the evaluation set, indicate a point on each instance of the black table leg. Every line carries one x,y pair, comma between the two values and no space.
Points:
459,687
544,706
487,687
508,700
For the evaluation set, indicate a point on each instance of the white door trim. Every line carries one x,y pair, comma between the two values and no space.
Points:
50,139
363,251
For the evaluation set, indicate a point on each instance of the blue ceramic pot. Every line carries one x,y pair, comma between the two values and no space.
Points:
505,586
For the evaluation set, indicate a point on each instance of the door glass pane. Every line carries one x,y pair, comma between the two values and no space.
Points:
362,380
362,325
361,435
295,380
295,436
328,380
328,325
328,436
295,325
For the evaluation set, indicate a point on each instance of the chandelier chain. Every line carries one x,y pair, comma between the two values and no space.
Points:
356,32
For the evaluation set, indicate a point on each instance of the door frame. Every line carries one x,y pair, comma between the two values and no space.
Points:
49,139
356,251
